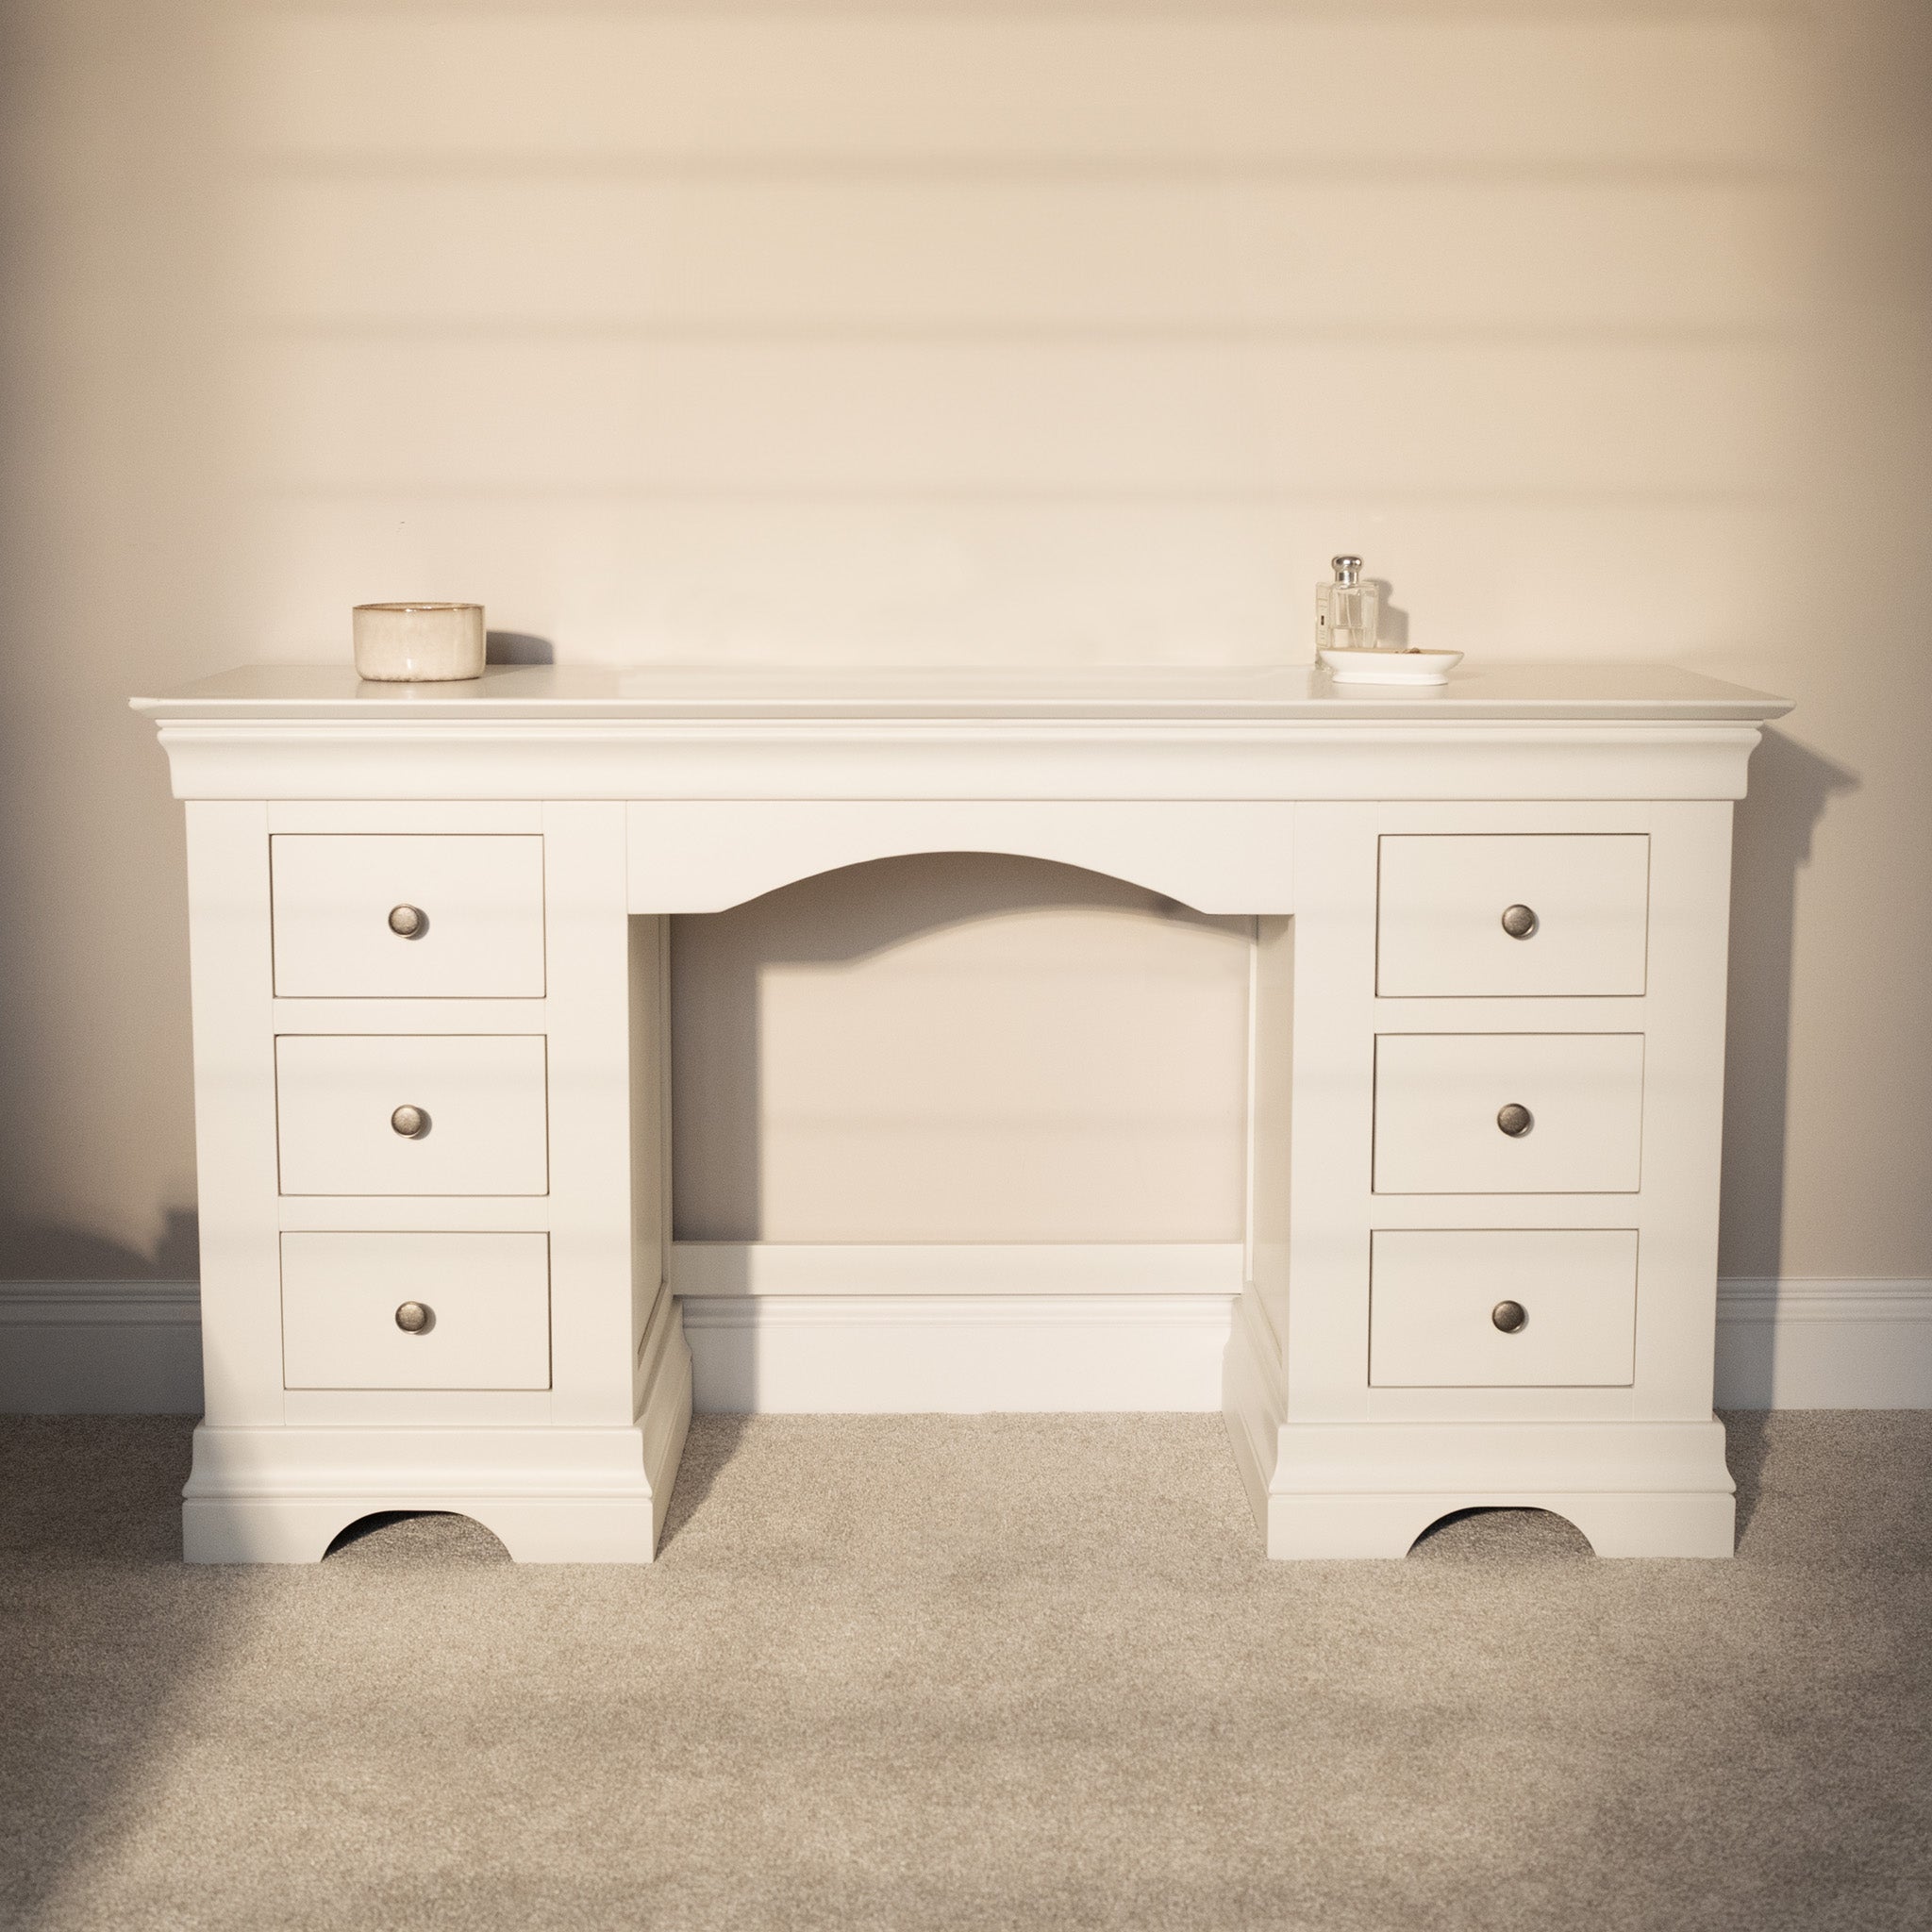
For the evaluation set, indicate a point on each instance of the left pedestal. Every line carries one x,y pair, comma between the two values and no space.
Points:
429,1102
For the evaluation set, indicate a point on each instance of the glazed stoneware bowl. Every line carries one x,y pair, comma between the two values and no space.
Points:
419,643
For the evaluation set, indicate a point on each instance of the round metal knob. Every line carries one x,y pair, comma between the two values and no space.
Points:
1510,1317
407,922
1519,922
410,1121
1515,1120
419,1318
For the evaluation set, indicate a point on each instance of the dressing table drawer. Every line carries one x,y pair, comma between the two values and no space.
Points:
1503,1309
1508,1113
1482,915
382,1113
406,916
416,1311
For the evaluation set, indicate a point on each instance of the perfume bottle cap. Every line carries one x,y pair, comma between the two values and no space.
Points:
1348,570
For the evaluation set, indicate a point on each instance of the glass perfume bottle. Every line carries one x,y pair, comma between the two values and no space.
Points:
1346,610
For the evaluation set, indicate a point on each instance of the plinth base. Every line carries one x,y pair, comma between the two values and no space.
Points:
550,1495
1369,1488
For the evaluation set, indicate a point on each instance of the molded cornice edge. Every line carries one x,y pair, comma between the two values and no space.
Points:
1338,758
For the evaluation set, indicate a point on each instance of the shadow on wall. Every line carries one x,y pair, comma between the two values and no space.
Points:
719,1100
1393,626
48,1251
518,647
1791,788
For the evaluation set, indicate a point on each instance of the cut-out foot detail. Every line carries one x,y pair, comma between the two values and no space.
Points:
1489,1534
438,1538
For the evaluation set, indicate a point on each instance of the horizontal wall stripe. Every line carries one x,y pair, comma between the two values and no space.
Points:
991,83
890,415
1047,171
1179,498
855,332
964,577
1331,260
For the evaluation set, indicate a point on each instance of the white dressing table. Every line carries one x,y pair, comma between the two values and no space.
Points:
430,1017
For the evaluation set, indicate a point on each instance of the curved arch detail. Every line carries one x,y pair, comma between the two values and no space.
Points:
710,855
1440,1516
379,1518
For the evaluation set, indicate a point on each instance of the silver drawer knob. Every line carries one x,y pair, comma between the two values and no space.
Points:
411,1122
1515,1120
1519,922
419,1318
1510,1317
407,922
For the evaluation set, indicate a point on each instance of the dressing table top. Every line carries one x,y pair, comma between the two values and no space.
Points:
669,692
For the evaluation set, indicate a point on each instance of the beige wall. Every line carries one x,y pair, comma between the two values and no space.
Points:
1075,332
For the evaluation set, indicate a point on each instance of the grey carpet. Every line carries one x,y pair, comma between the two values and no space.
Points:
1025,1671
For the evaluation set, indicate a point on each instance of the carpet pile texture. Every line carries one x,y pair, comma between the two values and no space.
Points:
962,1673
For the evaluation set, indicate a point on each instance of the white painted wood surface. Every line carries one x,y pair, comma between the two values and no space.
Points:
482,1098
1157,698
1372,1112
695,856
1438,1096
1440,931
231,984
488,1297
481,898
709,1269
946,1353
1433,1294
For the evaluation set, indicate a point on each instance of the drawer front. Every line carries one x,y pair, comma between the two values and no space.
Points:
1440,931
1434,1295
484,1127
1440,1101
480,934
487,1299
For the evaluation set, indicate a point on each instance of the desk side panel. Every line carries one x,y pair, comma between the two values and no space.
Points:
650,1114
1683,1108
1270,1116
1325,1337
587,1015
231,993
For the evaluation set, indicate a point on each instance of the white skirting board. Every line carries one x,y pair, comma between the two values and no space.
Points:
100,1348
1811,1343
955,1329
964,1329
736,1269
957,1354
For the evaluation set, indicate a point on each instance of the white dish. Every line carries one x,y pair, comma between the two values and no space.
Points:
1391,667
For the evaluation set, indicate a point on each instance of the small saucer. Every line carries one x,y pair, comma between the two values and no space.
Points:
1391,667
